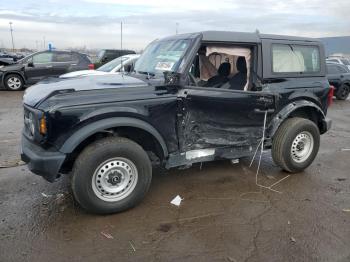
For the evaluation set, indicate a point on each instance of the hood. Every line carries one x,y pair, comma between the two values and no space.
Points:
36,94
12,67
83,73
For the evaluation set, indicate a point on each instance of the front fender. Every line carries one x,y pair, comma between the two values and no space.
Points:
289,109
80,135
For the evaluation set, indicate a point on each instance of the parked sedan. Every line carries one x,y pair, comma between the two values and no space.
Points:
339,76
339,60
121,64
40,65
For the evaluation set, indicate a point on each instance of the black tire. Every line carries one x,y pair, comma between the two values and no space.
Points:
91,159
283,140
13,86
343,92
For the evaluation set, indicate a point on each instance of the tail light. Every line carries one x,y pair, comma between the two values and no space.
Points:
330,95
91,66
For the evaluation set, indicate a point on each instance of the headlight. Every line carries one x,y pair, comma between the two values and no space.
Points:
31,125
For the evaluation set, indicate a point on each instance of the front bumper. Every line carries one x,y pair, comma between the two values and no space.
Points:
327,124
45,163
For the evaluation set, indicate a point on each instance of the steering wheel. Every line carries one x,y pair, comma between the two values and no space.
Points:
192,79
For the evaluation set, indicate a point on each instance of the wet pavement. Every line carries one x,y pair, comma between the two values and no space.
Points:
224,216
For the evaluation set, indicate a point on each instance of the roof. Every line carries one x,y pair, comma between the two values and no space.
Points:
243,37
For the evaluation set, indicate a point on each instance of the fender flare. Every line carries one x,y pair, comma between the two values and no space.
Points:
81,134
5,73
290,108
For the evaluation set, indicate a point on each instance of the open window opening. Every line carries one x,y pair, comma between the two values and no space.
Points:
224,67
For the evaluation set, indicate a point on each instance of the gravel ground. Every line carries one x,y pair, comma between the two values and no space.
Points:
224,216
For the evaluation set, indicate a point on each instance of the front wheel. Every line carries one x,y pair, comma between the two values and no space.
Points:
295,144
111,175
13,82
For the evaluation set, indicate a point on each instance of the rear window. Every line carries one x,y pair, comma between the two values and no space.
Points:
291,58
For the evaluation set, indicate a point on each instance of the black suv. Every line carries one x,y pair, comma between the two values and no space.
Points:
38,66
192,98
106,55
339,76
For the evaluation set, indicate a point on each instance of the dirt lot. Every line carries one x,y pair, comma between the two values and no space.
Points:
224,216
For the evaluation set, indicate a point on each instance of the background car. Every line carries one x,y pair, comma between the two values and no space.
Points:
121,64
40,65
8,59
339,60
106,55
339,76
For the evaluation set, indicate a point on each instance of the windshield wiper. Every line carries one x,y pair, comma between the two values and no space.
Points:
149,75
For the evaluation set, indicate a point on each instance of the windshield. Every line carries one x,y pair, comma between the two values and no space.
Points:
162,56
112,64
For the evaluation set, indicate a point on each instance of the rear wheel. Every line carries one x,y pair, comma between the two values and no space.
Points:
14,82
111,175
342,92
295,144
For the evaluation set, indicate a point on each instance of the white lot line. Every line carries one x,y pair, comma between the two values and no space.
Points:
261,145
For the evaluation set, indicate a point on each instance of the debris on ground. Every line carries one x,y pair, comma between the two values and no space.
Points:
132,246
107,235
234,161
231,259
346,210
293,239
341,179
164,227
45,195
176,201
288,222
345,149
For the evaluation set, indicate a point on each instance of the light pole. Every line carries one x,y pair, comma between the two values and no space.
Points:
13,45
177,28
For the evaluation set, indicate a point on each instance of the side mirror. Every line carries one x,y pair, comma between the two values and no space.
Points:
127,68
30,64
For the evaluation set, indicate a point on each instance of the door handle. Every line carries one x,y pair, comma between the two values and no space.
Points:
49,66
341,76
262,111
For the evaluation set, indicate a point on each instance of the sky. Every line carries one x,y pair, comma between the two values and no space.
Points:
96,23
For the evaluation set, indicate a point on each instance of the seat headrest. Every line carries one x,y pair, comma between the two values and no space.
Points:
224,69
241,64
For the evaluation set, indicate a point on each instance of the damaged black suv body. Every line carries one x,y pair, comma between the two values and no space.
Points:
192,98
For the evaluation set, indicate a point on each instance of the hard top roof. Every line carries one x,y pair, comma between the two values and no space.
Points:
243,37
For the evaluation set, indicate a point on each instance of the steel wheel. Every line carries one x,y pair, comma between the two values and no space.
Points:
115,179
14,83
302,147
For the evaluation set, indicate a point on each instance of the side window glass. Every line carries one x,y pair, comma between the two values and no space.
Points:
42,58
341,69
295,59
62,57
75,57
331,69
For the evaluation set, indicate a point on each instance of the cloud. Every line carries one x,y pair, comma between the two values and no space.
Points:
96,23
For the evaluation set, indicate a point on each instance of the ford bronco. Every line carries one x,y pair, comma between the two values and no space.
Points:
191,98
